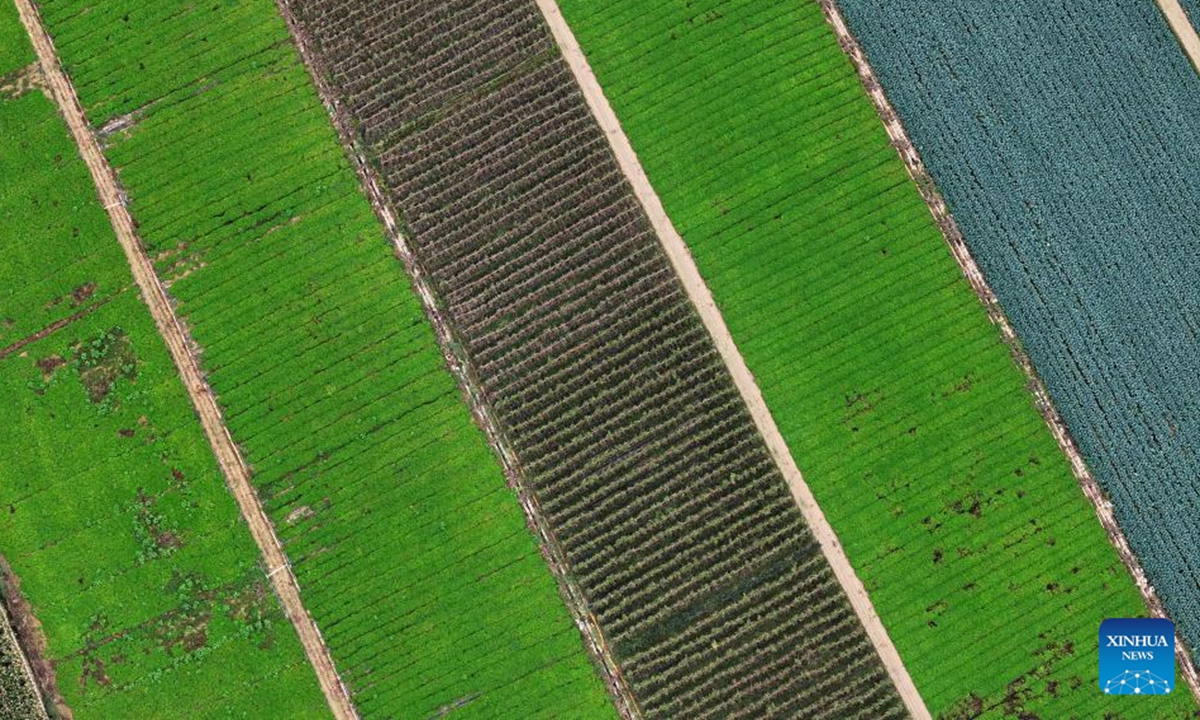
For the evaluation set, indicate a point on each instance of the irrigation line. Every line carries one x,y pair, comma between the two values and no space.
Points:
966,263
182,348
460,367
702,299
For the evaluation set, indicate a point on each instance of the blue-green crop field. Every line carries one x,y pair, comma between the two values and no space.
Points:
113,516
1070,155
902,406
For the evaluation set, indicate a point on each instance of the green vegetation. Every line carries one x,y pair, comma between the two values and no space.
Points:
896,395
113,516
411,553
15,51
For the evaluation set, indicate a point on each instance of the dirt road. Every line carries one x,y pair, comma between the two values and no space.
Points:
689,275
1183,29
237,475
970,269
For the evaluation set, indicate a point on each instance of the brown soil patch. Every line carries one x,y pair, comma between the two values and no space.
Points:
155,539
300,513
18,82
103,360
83,293
50,365
120,125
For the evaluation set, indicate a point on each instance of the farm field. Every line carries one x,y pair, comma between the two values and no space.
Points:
674,519
411,552
1078,187
122,536
901,405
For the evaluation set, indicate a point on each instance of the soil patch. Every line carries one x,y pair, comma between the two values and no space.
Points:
18,82
103,360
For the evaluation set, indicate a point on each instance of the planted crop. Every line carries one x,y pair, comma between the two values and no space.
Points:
714,597
1066,156
901,405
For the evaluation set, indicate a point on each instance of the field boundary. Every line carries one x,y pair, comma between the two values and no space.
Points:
970,269
182,348
9,629
458,364
27,670
706,307
32,641
1184,31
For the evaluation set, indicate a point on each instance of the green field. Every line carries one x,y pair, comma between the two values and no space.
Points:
902,407
115,519
411,553
15,51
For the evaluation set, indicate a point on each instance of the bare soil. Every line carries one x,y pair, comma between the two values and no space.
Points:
18,82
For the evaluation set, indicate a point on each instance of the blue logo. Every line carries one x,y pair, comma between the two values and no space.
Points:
1137,656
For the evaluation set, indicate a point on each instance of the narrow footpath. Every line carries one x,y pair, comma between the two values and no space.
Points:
702,299
233,466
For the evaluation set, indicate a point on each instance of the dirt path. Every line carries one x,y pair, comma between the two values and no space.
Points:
689,275
962,255
228,457
1183,29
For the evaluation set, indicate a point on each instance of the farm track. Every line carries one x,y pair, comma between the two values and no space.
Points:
702,299
624,423
598,646
232,465
970,269
1180,24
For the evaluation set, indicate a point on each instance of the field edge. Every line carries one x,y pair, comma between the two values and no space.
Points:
233,467
953,237
598,648
701,298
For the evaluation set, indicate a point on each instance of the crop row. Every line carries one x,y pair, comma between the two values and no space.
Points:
911,423
411,553
1077,188
125,545
674,519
